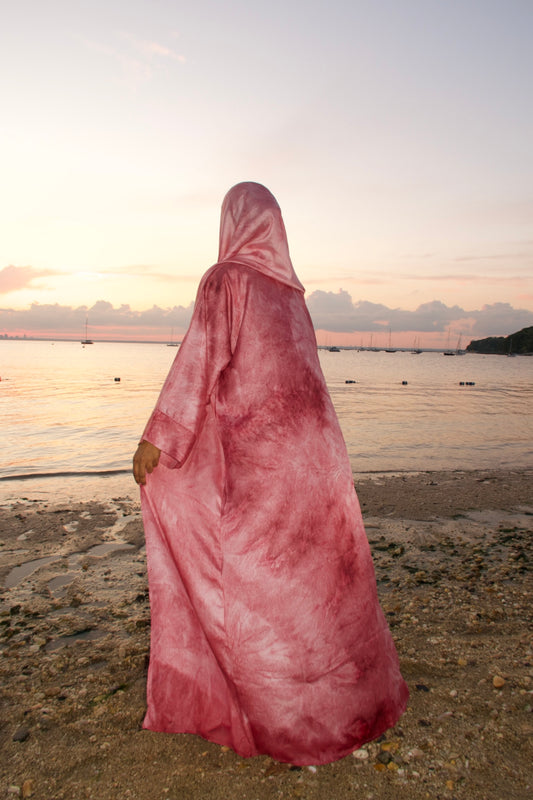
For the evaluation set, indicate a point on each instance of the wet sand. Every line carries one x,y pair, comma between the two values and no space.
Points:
453,563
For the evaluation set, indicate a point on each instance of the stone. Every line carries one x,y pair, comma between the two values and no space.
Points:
21,734
28,788
390,747
498,682
362,755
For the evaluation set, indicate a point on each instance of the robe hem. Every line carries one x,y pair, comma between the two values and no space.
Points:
297,762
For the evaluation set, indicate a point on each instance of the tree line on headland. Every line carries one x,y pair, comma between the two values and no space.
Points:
519,343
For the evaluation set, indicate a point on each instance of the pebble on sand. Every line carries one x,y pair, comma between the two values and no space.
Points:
498,682
21,734
28,788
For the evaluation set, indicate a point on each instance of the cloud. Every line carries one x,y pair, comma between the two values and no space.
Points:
14,278
149,49
487,275
336,312
104,314
70,321
133,68
495,319
330,311
495,257
139,58
466,278
363,279
143,271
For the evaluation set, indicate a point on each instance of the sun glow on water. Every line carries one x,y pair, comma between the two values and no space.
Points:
63,410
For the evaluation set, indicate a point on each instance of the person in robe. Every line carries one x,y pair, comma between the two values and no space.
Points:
266,631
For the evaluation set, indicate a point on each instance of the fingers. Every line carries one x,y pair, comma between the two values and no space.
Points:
138,470
145,461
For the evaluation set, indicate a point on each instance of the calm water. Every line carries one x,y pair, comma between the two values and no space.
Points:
62,410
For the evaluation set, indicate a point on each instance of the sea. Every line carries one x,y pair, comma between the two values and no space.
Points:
70,411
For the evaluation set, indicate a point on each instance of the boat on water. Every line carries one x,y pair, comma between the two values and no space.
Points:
456,352
372,349
172,343
390,348
86,340
333,349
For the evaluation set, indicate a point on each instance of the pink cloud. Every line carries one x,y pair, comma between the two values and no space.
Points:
149,48
14,278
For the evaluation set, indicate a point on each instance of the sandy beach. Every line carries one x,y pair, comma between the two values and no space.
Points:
452,552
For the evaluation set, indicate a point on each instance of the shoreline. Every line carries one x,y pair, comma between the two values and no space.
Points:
452,557
85,486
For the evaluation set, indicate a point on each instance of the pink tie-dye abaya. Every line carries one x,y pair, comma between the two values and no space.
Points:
267,635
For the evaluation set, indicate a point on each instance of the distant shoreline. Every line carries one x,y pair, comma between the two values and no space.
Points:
175,344
324,347
78,340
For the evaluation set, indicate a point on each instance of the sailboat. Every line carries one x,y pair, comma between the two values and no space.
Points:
457,351
373,349
416,349
390,348
86,340
172,343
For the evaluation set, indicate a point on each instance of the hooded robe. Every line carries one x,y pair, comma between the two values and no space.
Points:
267,634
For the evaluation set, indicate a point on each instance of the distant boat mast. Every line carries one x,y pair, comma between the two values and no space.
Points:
86,340
172,343
390,348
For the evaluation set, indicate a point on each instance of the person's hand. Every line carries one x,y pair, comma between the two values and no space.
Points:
145,460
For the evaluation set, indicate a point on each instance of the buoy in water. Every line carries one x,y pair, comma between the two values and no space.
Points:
350,381
117,380
404,383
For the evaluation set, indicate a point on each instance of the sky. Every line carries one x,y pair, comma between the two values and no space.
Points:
395,134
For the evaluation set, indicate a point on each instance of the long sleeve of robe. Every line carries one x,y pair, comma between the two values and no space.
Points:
267,634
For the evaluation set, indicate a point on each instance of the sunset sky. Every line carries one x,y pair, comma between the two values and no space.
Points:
395,134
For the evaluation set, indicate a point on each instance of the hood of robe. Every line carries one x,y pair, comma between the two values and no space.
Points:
252,233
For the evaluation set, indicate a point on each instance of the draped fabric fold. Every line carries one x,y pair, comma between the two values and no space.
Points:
267,634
